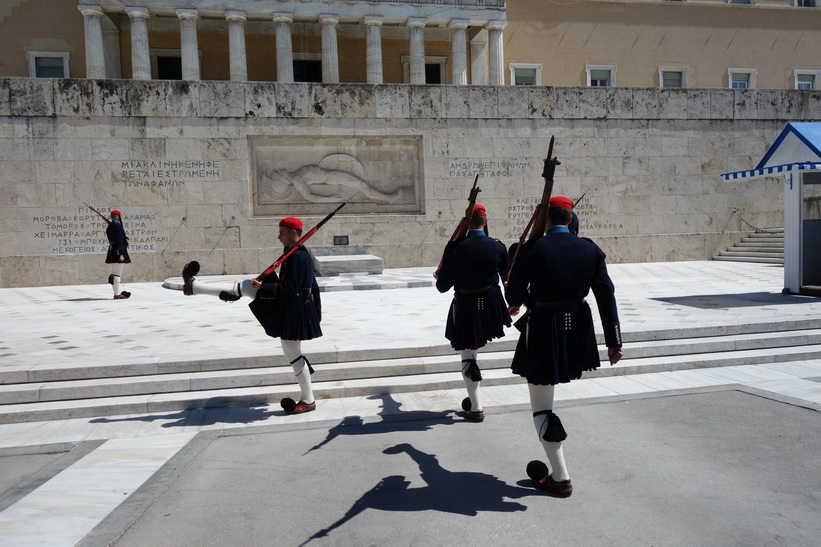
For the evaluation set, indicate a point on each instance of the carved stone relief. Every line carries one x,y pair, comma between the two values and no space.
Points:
305,175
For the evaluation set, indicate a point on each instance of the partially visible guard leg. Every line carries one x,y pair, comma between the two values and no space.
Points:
115,277
292,349
472,377
551,434
228,291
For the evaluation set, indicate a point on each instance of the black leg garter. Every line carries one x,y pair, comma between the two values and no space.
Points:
552,430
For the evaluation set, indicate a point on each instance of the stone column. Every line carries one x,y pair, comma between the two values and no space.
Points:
95,57
285,52
236,45
190,51
373,53
330,55
140,58
496,59
459,51
478,61
416,25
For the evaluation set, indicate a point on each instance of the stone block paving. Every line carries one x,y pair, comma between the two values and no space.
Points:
703,456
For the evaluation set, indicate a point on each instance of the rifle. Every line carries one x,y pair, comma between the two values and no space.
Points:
107,220
268,271
536,226
464,224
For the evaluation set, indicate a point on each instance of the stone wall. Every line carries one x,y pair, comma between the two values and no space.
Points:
204,170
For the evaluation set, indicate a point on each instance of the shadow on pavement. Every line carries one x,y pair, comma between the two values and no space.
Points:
459,492
414,420
718,301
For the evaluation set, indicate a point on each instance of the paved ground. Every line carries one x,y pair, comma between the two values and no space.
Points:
714,456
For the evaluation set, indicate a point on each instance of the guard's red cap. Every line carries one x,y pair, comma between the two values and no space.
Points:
479,210
116,212
291,222
561,202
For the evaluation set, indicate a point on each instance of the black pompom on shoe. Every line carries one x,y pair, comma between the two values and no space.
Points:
188,272
538,473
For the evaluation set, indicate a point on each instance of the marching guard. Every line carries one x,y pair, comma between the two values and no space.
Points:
287,305
117,255
553,274
473,266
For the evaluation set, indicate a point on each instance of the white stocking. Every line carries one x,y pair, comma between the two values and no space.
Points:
116,276
214,289
541,398
471,386
292,349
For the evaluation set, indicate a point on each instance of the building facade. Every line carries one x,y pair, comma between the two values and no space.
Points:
742,44
205,122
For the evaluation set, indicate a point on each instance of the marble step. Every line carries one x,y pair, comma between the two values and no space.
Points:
195,380
59,372
740,258
344,380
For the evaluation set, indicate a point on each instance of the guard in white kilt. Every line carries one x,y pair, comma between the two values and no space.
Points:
552,275
117,255
473,266
287,305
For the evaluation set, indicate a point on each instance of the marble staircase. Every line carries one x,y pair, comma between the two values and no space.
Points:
762,247
151,388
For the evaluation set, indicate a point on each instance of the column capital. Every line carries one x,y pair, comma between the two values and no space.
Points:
232,15
496,25
373,21
89,10
458,23
417,22
186,14
328,19
135,12
282,18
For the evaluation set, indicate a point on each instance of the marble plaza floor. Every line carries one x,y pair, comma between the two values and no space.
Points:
86,481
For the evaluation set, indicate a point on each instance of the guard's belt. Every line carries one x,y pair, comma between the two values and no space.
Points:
474,291
557,305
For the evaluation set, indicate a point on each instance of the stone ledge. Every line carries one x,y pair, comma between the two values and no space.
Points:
334,262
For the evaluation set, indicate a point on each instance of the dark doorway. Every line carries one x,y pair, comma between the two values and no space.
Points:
433,73
169,68
308,71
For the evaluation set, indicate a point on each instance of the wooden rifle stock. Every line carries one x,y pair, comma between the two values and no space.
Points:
270,269
538,222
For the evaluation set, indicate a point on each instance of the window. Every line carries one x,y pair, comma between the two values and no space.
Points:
807,79
48,64
672,77
434,69
525,74
741,1
807,3
741,78
166,64
601,76
307,70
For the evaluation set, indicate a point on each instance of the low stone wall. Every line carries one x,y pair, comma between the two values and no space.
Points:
204,170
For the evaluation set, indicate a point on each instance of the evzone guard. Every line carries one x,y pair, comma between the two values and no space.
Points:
117,254
287,305
552,275
472,264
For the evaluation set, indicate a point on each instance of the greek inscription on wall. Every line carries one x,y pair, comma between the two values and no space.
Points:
521,210
82,231
467,168
307,175
165,173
